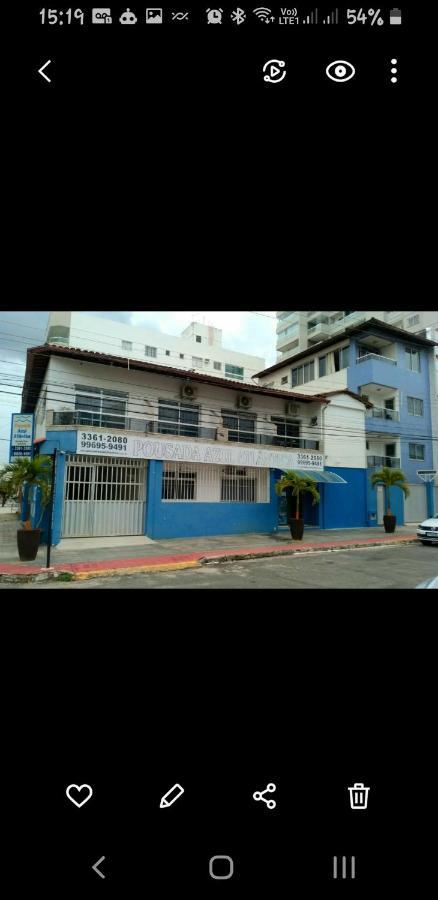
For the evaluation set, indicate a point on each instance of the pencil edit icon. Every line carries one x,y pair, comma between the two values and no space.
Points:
172,795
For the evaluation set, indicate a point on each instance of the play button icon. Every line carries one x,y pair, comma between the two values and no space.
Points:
275,71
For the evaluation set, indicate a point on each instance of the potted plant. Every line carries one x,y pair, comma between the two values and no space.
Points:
33,472
390,478
294,485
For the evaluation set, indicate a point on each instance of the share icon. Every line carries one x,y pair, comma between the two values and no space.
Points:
260,795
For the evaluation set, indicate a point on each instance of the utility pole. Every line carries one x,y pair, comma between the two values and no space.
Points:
52,495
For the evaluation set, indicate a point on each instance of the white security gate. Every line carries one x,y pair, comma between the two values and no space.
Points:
104,496
416,504
380,503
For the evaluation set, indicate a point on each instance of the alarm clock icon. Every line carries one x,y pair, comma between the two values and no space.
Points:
214,16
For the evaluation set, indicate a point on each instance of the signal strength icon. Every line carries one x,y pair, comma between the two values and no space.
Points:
311,19
262,12
332,18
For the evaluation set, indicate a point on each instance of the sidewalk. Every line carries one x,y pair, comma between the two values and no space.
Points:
128,557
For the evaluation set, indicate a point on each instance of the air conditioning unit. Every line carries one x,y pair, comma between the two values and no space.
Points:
292,409
314,420
188,391
244,401
221,433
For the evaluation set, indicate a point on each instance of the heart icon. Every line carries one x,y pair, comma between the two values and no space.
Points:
74,790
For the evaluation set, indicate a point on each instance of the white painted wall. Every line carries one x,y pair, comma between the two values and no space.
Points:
332,382
104,336
146,388
344,432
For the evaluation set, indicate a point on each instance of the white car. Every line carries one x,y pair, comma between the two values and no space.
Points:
427,532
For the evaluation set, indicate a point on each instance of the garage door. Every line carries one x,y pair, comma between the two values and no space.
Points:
104,496
416,504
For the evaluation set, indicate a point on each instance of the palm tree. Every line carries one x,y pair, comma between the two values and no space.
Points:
35,471
390,478
295,485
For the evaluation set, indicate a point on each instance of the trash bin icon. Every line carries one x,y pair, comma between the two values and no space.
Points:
359,796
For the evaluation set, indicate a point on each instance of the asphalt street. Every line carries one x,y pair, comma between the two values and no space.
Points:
376,567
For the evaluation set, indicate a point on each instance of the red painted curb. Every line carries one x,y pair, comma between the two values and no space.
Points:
100,565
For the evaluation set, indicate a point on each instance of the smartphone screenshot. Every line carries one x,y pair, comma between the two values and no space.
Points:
200,52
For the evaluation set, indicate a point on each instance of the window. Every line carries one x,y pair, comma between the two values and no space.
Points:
414,320
241,426
198,338
217,365
178,418
322,366
235,371
178,483
206,362
197,361
167,352
415,406
238,486
126,345
341,358
99,407
284,379
181,356
412,358
288,431
150,351
301,374
416,451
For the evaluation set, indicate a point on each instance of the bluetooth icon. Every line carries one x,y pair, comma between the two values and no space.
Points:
238,16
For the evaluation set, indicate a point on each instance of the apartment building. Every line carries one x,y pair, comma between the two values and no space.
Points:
394,370
298,331
152,450
198,348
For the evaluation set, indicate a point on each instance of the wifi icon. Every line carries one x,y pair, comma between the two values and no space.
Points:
262,12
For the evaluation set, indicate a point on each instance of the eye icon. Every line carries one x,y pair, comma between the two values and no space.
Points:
340,70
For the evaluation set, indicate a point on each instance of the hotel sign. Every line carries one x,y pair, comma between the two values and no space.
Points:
127,446
21,436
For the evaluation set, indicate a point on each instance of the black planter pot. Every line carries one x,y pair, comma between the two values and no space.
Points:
296,529
28,542
389,523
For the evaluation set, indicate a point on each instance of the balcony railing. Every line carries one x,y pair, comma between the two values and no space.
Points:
380,412
391,462
108,421
386,359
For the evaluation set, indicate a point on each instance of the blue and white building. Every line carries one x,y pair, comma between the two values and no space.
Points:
145,449
394,370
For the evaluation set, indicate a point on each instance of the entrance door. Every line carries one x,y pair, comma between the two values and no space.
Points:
104,496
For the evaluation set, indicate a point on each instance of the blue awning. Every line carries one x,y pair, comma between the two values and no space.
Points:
318,475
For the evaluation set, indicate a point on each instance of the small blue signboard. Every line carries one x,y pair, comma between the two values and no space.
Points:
21,436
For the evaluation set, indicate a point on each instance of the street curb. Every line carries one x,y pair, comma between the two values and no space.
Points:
210,559
205,560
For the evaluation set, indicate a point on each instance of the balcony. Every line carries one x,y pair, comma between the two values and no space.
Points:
109,422
376,462
380,412
377,356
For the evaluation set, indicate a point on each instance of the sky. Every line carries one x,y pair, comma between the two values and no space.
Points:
249,332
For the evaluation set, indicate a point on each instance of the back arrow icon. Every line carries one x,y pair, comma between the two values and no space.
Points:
42,73
96,864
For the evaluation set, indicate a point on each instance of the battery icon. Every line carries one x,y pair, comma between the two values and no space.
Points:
395,17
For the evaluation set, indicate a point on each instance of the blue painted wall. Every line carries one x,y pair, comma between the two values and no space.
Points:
65,442
172,520
411,429
344,505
